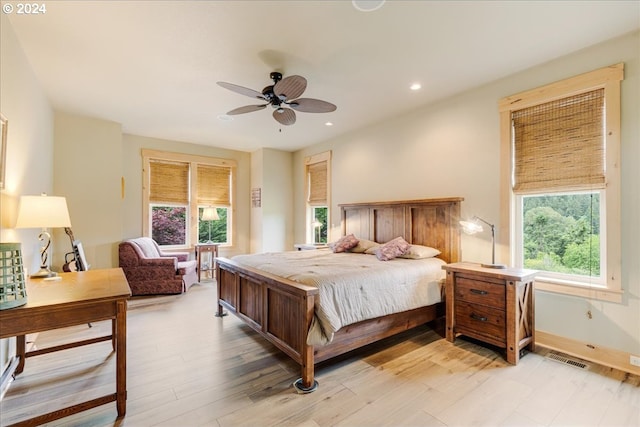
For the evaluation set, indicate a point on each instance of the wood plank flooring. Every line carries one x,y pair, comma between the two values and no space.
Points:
189,368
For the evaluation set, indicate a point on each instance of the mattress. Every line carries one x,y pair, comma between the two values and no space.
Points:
353,287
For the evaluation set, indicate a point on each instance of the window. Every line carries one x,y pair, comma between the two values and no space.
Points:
177,191
560,146
318,171
319,215
169,202
213,197
561,235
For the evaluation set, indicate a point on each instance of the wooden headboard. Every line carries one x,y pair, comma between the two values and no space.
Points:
428,222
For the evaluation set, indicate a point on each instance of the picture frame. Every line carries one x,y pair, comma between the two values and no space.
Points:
81,260
4,124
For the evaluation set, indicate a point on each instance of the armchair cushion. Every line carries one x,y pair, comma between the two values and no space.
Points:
150,271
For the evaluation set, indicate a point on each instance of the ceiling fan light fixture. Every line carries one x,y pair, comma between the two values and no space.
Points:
285,92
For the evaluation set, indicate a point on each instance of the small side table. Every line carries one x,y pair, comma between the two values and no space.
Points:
203,248
492,305
309,246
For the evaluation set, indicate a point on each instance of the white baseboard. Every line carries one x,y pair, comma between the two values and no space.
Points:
604,356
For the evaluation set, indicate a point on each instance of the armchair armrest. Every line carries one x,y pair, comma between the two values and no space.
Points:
180,256
159,262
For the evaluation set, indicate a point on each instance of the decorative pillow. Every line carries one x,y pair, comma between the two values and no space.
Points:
344,243
392,249
363,246
419,252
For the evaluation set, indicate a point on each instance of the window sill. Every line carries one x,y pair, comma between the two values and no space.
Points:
547,284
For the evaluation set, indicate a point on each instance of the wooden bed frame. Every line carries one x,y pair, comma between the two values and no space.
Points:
281,310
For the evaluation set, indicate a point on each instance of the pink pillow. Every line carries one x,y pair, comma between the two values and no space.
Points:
344,243
392,249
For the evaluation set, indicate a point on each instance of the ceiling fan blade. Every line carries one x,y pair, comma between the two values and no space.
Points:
241,90
285,116
290,87
246,109
310,105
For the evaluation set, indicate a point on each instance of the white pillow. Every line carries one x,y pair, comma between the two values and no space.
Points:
363,246
419,252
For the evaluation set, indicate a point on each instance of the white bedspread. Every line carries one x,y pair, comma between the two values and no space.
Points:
354,287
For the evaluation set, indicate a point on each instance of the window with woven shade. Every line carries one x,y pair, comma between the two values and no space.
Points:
318,192
177,188
214,185
317,184
561,143
168,182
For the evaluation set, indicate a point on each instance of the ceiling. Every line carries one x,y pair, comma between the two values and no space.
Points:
153,65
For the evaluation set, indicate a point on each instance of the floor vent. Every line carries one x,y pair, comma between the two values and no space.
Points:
568,360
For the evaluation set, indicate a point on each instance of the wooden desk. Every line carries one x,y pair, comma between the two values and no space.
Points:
78,298
201,249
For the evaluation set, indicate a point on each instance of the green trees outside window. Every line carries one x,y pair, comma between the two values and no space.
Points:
561,233
218,227
320,215
169,226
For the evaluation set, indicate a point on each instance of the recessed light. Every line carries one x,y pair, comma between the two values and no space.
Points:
328,124
225,118
415,86
367,5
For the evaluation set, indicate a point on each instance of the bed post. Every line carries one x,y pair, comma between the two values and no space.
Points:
220,312
307,383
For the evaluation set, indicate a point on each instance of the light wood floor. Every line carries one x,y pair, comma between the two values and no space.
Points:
189,368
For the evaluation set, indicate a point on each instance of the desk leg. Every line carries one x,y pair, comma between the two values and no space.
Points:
21,349
120,335
198,263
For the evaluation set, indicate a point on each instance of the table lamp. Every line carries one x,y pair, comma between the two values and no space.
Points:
210,214
43,212
472,227
317,225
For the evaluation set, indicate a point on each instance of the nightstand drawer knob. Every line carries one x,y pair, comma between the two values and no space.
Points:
478,292
477,317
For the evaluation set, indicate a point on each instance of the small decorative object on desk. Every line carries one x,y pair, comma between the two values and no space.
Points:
13,291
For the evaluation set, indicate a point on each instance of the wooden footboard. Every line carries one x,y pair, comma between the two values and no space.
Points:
279,309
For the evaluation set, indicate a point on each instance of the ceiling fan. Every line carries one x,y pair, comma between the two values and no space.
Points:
283,96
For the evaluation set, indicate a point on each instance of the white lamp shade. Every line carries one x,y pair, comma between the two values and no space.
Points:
43,212
471,227
210,214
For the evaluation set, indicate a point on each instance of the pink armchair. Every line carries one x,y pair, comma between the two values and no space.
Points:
150,271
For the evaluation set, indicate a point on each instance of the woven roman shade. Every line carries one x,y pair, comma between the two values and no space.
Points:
317,184
168,182
559,145
214,184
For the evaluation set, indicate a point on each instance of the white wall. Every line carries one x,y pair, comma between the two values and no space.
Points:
88,170
272,223
451,148
29,150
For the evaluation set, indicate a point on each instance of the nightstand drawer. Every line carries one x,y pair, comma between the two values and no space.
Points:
481,322
480,292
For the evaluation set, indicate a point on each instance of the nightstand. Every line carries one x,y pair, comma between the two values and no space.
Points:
201,249
492,305
309,246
